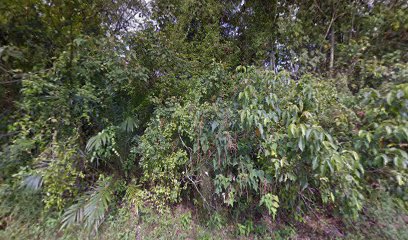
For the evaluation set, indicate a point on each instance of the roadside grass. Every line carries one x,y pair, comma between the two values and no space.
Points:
382,218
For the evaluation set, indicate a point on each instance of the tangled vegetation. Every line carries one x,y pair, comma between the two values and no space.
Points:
240,118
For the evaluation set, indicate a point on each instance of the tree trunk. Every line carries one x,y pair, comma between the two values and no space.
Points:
332,43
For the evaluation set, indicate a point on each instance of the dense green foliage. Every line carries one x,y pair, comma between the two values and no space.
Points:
240,109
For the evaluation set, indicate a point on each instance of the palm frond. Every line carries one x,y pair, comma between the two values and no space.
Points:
99,140
32,182
90,209
74,214
129,125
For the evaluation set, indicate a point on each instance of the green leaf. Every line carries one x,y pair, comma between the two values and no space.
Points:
390,98
271,203
214,125
314,163
301,144
292,130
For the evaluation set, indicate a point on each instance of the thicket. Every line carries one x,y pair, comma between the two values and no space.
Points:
243,107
